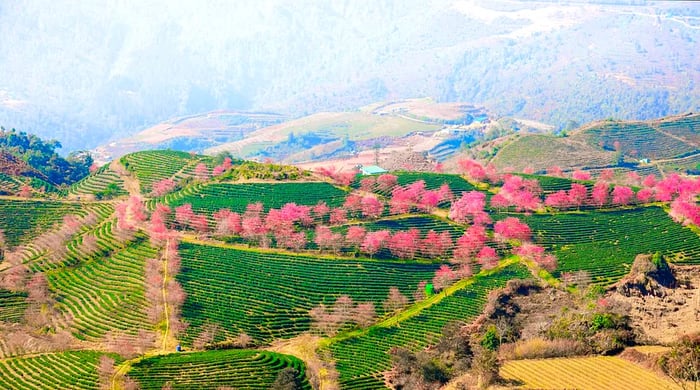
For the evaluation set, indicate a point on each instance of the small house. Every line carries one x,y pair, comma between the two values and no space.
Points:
372,170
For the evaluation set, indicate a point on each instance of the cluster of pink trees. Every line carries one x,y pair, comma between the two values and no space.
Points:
163,187
477,172
470,207
344,178
404,199
516,191
160,275
223,167
185,217
602,193
130,213
327,320
402,244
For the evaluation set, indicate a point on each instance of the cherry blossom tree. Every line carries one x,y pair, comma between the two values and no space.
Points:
403,244
367,183
353,204
429,200
599,195
519,192
201,172
184,214
578,195
395,301
487,257
25,191
374,241
469,244
607,175
355,236
633,178
444,276
320,210
364,314
555,171
622,195
684,211
472,169
644,195
387,181
326,239
163,187
436,245
372,207
200,223
511,228
581,175
536,254
528,170
470,207
649,181
338,216
559,199
227,222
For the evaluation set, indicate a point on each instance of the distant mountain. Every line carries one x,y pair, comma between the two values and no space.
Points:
92,73
190,133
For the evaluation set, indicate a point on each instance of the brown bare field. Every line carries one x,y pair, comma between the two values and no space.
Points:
599,372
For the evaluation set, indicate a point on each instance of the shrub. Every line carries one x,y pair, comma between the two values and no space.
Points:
682,363
540,348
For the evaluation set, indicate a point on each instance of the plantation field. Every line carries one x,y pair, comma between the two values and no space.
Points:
587,373
361,360
12,305
152,166
268,295
65,370
605,243
237,369
106,293
100,182
24,219
210,198
636,139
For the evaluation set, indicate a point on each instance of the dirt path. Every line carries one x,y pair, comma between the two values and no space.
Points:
131,184
305,347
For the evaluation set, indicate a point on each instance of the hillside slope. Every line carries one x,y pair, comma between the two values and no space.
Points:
662,143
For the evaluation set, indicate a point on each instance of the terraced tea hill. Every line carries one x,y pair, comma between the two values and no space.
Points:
361,360
210,198
24,219
152,166
268,295
605,243
12,305
637,139
65,370
104,181
106,293
236,369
